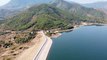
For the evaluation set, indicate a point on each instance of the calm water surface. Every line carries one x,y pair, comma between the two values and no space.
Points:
84,43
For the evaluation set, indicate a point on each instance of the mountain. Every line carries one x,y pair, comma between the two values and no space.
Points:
15,6
39,17
20,4
97,5
80,12
5,13
59,14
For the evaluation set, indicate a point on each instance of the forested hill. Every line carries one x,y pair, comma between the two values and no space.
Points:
16,6
59,14
39,17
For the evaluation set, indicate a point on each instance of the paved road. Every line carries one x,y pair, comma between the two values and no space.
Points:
41,49
44,50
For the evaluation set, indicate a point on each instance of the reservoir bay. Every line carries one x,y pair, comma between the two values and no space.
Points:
84,43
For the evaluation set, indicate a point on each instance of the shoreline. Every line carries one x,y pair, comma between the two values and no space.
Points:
36,48
59,33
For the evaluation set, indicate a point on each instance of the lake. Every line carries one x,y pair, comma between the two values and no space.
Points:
84,43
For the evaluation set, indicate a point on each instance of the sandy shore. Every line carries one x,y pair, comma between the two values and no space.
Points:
56,35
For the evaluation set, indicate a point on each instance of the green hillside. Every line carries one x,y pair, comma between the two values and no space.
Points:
39,17
46,16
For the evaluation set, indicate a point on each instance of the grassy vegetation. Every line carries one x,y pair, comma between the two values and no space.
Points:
6,44
21,40
2,33
42,17
45,17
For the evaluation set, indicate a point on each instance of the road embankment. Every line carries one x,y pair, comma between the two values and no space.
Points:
39,51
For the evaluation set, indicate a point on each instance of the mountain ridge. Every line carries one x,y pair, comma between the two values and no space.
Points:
80,11
59,14
41,17
20,4
97,5
15,6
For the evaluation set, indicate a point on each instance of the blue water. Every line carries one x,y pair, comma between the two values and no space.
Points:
84,43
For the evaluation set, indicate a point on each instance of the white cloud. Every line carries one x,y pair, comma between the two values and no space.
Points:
3,2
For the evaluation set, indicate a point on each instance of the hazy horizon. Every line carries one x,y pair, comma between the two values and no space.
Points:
86,1
3,2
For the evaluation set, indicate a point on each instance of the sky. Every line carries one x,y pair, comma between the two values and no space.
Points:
3,2
86,1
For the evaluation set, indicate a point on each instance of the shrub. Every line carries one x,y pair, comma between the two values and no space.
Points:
7,44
